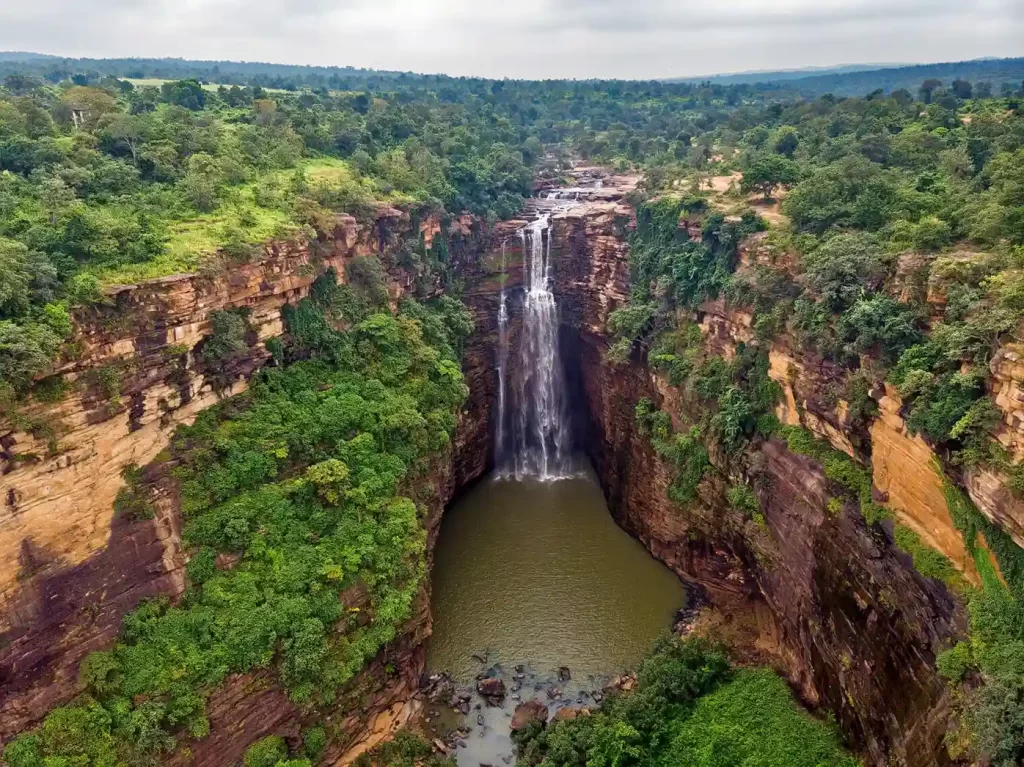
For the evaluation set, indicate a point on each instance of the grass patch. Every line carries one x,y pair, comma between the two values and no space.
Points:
753,720
192,240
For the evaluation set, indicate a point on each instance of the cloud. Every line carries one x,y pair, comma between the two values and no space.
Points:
527,38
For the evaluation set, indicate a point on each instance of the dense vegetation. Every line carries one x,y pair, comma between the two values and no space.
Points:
113,184
311,485
690,709
896,257
994,653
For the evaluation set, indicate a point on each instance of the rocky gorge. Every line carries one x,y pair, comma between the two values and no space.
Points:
827,599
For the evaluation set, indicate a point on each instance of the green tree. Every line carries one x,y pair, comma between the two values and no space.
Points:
765,173
927,88
184,93
26,353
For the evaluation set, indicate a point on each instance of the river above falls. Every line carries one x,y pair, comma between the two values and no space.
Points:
530,577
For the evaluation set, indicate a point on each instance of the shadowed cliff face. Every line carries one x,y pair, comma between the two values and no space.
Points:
854,626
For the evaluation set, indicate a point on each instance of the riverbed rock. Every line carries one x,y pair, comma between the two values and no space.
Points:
623,683
527,713
438,688
563,674
492,690
569,713
460,702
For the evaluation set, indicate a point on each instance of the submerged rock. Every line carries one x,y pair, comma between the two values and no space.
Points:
563,674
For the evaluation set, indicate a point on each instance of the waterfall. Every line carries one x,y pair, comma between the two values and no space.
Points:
541,437
499,440
534,436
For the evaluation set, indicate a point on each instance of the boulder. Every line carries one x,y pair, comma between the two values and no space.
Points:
492,690
568,713
528,712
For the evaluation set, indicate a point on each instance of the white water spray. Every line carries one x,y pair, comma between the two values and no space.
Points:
542,442
499,442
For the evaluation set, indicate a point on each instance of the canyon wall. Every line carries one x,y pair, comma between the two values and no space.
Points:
843,611
70,569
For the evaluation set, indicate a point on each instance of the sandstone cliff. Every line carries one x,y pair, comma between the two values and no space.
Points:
846,616
70,569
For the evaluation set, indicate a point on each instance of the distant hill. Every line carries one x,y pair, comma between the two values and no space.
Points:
780,75
288,76
846,80
858,80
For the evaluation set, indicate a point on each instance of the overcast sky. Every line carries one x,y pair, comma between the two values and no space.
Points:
524,38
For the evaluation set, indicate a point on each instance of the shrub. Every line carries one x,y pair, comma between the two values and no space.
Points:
845,268
228,339
133,500
26,353
880,325
743,499
314,741
266,752
956,662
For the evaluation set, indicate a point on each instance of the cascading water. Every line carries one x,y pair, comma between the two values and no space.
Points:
499,444
541,440
534,436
